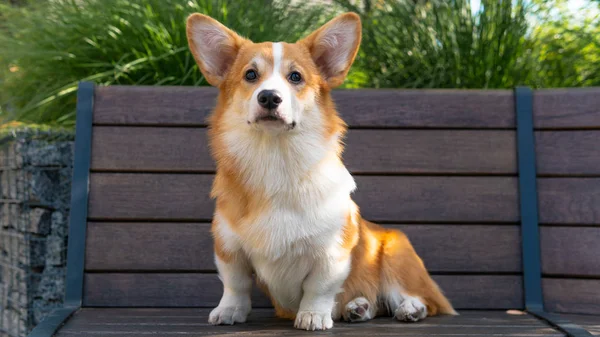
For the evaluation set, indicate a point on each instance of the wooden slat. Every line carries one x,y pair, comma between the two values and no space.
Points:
172,316
569,200
177,322
367,151
149,246
150,196
390,198
406,199
146,105
152,105
204,290
150,149
188,246
578,296
567,108
571,250
426,108
158,290
468,248
482,291
568,152
431,151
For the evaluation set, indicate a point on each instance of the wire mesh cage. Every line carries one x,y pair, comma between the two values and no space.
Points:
35,173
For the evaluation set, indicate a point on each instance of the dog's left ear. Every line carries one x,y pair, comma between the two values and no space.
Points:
333,47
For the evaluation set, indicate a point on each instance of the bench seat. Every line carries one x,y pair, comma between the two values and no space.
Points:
171,322
498,191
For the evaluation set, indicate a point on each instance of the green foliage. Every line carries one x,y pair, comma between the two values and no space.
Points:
50,45
568,46
47,49
443,44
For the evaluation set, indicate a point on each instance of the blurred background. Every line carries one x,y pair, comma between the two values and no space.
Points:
47,46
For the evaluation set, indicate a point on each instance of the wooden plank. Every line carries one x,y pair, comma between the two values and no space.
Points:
467,248
569,200
567,108
149,246
426,108
482,291
150,105
588,322
345,329
367,151
188,247
177,322
568,152
158,290
204,290
431,151
150,149
389,198
150,196
172,316
577,296
432,199
571,250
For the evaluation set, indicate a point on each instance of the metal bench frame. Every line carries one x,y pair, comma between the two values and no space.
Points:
528,203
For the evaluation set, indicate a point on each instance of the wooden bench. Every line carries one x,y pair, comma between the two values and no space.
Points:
455,170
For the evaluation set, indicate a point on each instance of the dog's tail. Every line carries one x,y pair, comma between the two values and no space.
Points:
403,267
437,303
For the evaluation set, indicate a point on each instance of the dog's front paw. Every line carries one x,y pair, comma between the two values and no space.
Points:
228,315
306,320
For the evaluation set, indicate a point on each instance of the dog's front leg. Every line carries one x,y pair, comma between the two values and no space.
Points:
320,288
236,274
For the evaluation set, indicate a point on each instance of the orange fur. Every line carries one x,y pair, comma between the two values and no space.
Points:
385,256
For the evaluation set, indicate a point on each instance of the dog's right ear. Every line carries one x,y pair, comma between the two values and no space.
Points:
333,47
213,45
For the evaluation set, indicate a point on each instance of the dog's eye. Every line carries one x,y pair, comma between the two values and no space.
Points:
295,77
251,75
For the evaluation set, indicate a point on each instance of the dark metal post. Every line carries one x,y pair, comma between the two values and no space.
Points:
79,194
78,215
530,233
532,271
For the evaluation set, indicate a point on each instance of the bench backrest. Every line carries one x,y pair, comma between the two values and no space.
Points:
439,164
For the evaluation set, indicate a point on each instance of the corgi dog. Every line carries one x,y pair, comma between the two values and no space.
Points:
284,210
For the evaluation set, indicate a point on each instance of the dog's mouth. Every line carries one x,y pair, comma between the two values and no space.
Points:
274,120
269,118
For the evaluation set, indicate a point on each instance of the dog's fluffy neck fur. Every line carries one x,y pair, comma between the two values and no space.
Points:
286,163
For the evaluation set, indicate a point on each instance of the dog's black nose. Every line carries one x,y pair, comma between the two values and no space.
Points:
269,99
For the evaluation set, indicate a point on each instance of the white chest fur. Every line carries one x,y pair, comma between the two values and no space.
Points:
290,248
291,239
309,204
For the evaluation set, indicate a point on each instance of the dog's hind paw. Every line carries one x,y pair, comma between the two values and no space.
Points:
411,310
357,310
